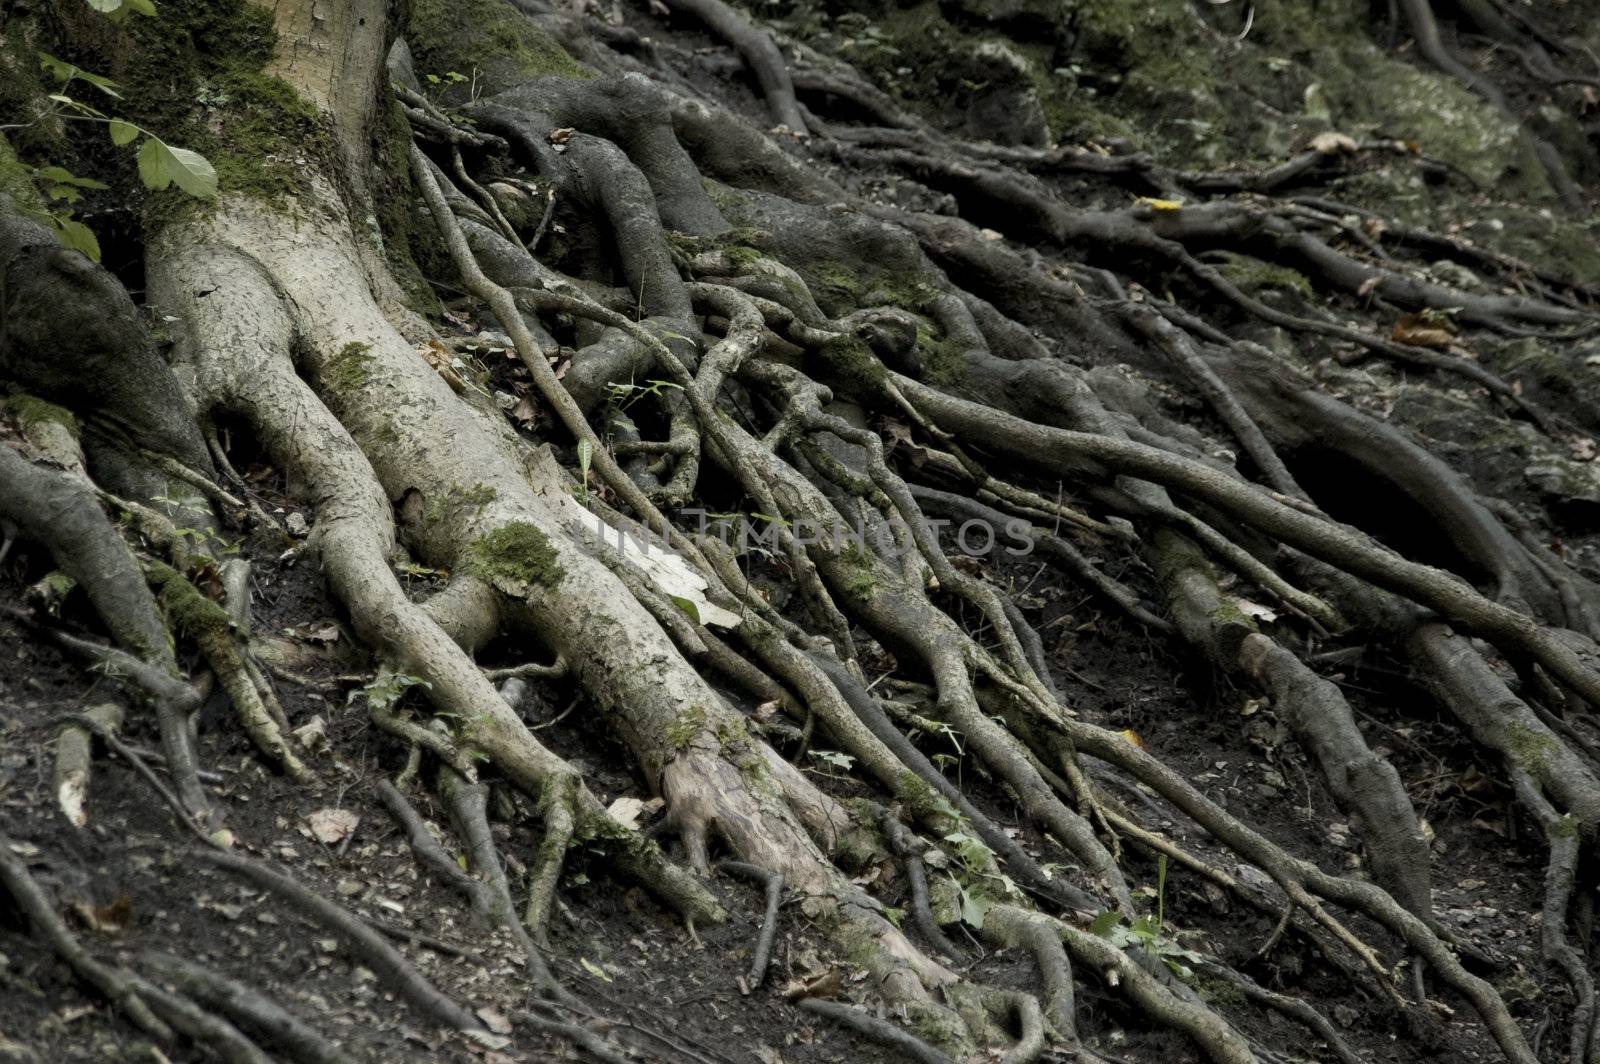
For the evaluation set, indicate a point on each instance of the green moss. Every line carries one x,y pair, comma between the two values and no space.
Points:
57,585
412,247
23,97
1229,613
938,1026
188,611
1252,274
849,363
29,411
1530,747
732,734
195,77
1567,827
922,801
350,368
723,197
262,151
516,552
1445,119
477,496
862,581
459,37
1216,991
945,360
687,727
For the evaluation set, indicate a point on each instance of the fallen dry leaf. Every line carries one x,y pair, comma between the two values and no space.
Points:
332,826
104,919
313,734
1331,143
1418,331
625,811
1255,610
825,984
442,359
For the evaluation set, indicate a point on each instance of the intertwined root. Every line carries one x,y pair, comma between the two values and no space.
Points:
767,320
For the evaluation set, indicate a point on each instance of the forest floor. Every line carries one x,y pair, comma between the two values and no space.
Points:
615,946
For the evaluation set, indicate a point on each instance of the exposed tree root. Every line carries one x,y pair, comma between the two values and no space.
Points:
247,1007
365,943
834,367
761,955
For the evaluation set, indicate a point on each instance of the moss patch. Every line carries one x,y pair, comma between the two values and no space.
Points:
28,411
458,37
1252,274
412,247
188,611
686,727
517,552
195,78
945,360
1530,748
350,368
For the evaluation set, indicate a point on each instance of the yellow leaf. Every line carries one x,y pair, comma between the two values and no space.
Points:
1133,737
1159,204
594,969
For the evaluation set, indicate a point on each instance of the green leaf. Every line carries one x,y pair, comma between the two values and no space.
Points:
143,7
687,606
78,236
1104,923
62,176
594,969
123,133
105,7
161,165
974,907
65,71
585,456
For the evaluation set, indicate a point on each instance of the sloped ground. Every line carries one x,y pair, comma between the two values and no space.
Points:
616,946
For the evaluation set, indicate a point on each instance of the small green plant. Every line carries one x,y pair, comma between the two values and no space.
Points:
386,689
203,536
843,762
160,164
622,396
978,885
1149,932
